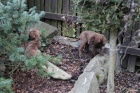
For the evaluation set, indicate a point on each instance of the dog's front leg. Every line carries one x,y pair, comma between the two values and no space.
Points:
101,51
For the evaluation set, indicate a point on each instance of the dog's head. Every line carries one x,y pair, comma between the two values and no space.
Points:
34,34
98,40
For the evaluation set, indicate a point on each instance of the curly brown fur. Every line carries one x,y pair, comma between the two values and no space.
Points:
91,38
33,48
99,43
34,34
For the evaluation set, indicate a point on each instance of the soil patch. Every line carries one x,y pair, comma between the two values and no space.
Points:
30,82
125,82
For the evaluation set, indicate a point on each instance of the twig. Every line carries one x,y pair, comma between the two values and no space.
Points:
16,67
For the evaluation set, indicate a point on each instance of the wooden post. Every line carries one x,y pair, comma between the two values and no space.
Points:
126,41
131,63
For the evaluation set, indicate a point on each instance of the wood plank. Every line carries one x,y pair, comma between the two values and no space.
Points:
131,64
47,9
71,7
118,63
126,41
56,16
130,50
59,6
65,10
30,3
65,7
47,5
59,11
131,56
124,62
132,59
37,4
42,5
54,10
54,6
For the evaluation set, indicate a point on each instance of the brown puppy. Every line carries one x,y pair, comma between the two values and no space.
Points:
34,34
91,38
32,48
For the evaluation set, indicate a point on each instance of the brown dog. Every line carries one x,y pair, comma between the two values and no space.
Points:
34,34
91,38
33,48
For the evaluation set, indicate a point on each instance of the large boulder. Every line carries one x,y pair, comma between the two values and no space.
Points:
50,31
98,65
86,83
93,75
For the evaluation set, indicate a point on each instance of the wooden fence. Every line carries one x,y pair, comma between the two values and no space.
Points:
130,48
56,9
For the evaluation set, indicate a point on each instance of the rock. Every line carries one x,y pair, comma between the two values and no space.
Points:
67,41
98,65
75,43
56,72
86,83
94,74
51,31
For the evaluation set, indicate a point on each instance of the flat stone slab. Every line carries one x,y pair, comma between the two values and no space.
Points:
50,31
67,41
75,43
56,72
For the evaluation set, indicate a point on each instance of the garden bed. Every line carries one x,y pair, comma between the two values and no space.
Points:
125,82
30,82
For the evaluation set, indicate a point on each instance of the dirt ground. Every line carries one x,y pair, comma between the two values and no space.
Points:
125,82
30,82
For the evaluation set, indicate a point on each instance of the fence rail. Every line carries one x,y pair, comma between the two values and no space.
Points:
54,9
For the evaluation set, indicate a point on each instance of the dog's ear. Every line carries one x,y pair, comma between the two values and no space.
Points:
32,35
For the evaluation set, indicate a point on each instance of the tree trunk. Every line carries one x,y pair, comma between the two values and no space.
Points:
112,59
